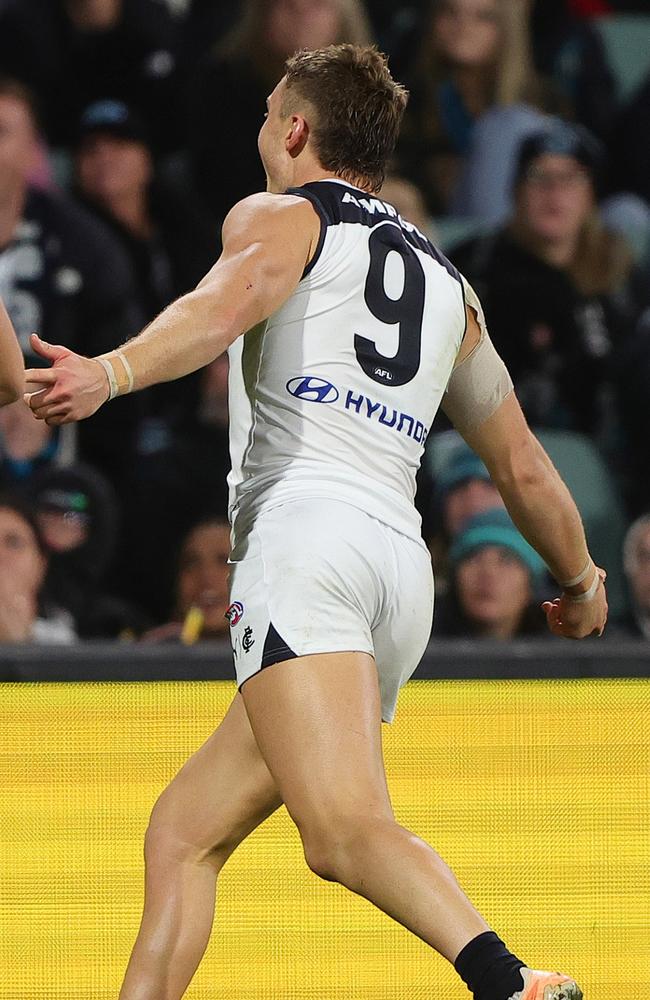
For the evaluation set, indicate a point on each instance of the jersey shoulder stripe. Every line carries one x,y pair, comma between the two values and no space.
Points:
325,221
338,203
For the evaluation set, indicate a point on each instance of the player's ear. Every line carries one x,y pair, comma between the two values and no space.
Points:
297,136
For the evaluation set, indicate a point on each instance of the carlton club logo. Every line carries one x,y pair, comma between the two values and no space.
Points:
234,613
312,389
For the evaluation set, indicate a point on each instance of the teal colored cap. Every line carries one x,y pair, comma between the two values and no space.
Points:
461,465
494,527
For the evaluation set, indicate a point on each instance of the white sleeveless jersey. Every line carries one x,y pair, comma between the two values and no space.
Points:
333,396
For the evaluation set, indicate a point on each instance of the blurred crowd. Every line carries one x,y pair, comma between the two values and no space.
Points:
128,128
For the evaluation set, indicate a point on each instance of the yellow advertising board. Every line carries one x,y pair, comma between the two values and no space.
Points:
537,793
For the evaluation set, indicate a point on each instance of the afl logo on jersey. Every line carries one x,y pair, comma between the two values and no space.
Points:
235,612
312,389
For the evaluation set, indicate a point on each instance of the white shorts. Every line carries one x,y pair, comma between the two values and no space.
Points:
321,576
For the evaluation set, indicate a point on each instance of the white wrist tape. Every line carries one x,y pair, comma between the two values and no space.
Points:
580,578
127,368
118,386
112,381
588,594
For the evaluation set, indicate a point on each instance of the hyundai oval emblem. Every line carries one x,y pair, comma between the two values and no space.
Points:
312,389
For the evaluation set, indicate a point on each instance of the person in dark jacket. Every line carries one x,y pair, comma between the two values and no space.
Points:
27,613
62,274
72,52
553,284
169,243
77,514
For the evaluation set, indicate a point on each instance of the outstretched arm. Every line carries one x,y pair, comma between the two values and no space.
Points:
536,498
267,242
12,369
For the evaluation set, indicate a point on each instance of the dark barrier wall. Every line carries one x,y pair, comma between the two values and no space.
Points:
213,661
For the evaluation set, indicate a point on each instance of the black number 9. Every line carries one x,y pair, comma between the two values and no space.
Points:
407,310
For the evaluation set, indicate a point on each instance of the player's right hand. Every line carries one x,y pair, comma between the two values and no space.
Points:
577,620
72,389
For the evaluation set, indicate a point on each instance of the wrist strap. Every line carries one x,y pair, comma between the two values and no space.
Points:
578,579
127,368
588,594
119,383
113,387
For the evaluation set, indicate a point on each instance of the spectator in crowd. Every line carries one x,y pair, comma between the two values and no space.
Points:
474,56
636,561
28,445
25,614
552,283
201,588
72,52
465,489
169,243
77,516
495,578
247,65
62,273
462,490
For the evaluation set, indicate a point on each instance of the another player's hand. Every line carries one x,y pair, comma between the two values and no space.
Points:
576,620
72,389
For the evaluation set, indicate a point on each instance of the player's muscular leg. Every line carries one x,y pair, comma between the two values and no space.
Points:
217,798
317,723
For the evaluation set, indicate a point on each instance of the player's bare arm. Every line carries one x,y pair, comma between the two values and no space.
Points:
536,497
12,369
267,242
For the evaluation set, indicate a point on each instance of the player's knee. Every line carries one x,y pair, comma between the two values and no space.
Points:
321,858
333,845
167,841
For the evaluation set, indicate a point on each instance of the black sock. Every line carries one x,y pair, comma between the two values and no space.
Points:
488,969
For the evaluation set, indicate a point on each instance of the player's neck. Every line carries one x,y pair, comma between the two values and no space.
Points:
308,175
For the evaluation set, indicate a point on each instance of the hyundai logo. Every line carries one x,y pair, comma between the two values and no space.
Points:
312,389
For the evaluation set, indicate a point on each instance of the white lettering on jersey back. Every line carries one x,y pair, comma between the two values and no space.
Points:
334,396
373,205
